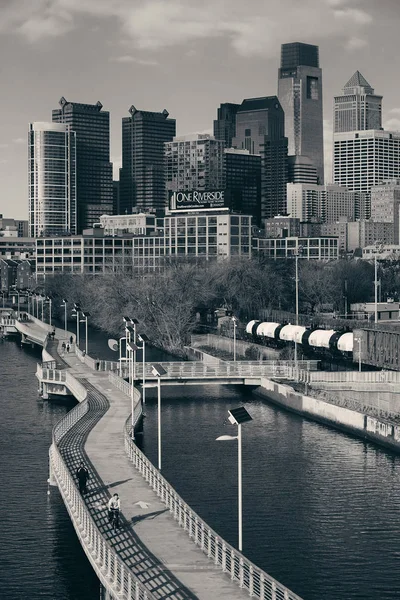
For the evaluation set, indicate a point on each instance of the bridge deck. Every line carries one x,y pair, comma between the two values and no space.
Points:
168,561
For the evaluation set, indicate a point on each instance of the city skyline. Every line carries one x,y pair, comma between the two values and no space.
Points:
119,52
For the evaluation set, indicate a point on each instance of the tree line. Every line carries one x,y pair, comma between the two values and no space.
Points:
167,304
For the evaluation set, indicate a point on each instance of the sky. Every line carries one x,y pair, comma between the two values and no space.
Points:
183,55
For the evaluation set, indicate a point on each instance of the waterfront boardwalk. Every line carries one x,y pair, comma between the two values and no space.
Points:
151,543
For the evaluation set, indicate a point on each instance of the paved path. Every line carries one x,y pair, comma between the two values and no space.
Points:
157,550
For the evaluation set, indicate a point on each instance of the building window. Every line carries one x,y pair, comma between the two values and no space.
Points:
247,132
312,88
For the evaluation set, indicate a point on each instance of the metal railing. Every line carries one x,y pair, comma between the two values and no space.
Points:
115,576
349,376
52,375
200,370
125,387
241,570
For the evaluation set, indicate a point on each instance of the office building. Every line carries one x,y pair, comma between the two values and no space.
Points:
366,232
362,159
301,170
300,94
94,178
95,254
51,179
135,224
210,236
142,177
194,162
327,203
385,205
17,248
337,229
316,248
281,227
225,123
13,227
358,108
242,182
116,197
260,125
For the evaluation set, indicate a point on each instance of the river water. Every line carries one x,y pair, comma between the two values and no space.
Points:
321,508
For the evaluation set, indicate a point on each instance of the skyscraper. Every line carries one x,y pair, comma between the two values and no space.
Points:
300,94
52,179
358,108
385,205
94,177
142,179
260,125
225,123
362,159
194,162
242,182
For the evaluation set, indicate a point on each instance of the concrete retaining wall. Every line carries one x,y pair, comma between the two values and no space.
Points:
357,423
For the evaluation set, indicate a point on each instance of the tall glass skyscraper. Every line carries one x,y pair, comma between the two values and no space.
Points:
358,108
142,180
300,94
52,179
225,123
94,177
260,129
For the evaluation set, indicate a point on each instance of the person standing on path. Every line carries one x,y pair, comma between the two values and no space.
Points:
82,475
67,347
71,340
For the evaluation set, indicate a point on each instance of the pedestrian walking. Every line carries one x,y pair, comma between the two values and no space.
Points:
63,346
82,475
67,347
71,340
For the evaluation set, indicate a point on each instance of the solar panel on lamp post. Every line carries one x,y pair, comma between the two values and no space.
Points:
237,416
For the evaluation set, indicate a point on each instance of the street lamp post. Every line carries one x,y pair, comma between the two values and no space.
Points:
297,253
42,301
86,315
134,323
132,349
234,321
48,299
64,304
237,416
77,309
158,371
378,248
143,338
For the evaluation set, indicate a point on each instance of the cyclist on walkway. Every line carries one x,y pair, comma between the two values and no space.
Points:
114,507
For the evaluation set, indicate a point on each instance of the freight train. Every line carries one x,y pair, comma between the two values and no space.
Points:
335,342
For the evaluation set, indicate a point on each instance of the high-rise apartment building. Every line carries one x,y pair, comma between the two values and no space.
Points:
142,177
358,108
52,179
94,177
260,126
242,182
327,203
225,123
300,94
362,159
194,162
385,205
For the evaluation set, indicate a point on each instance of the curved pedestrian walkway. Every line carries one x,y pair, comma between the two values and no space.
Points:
150,542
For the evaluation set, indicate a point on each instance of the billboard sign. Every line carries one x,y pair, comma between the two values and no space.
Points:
197,200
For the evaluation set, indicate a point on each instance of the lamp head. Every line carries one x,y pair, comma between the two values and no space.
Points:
142,337
132,347
134,321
